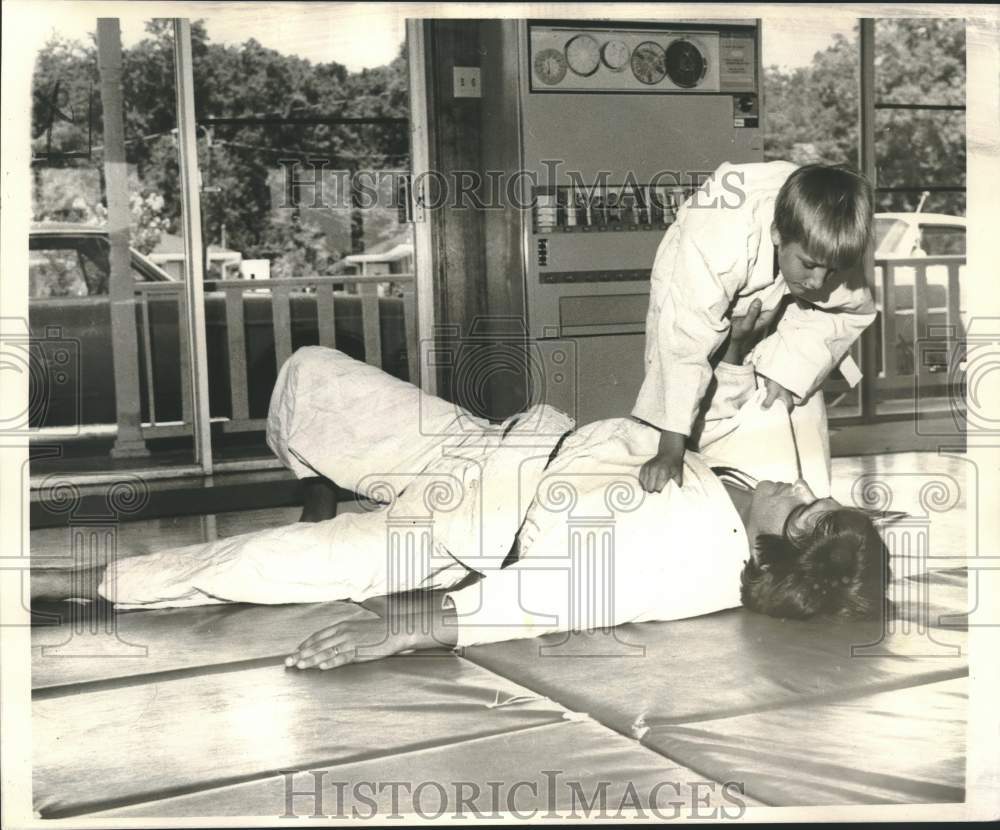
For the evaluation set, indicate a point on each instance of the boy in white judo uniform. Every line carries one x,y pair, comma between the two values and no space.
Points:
767,235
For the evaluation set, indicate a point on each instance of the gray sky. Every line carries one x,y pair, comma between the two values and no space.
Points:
790,43
357,35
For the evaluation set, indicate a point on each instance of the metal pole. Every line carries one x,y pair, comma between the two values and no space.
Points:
420,163
125,343
191,217
866,152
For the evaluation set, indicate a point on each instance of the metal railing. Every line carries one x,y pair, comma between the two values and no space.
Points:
324,293
920,324
918,299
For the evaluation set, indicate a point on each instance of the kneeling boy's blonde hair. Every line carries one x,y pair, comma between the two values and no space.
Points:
828,211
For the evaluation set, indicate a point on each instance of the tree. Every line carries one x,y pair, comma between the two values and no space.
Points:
811,113
237,162
921,61
64,97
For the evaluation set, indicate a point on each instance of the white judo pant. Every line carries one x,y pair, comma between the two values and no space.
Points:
445,493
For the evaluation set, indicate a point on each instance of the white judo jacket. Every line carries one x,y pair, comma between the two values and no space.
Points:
597,551
712,263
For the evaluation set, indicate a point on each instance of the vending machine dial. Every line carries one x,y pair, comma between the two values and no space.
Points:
583,54
649,63
686,65
550,66
615,55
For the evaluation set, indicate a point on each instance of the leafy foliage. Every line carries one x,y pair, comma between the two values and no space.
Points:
238,163
812,112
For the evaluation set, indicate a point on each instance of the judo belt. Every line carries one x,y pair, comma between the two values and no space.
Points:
515,548
730,475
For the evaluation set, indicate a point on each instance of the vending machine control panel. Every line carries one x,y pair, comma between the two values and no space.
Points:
620,125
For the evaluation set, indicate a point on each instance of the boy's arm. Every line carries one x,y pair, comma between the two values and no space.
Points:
810,340
690,327
520,601
530,598
745,333
666,465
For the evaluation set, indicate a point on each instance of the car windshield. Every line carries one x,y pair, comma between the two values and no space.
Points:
888,233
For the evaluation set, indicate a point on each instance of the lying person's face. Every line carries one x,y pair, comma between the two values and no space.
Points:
783,509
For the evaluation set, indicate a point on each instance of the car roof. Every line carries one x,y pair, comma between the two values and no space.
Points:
68,228
73,229
925,218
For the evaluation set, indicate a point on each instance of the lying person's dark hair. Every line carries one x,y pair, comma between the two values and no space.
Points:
838,571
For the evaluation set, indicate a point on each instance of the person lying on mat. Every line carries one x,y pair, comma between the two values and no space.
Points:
544,517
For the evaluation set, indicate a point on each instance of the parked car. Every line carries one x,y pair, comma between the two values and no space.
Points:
69,306
918,234
67,260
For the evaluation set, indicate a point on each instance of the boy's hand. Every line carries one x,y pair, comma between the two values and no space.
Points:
660,469
775,391
666,465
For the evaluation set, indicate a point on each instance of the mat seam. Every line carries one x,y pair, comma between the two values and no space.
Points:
98,806
685,764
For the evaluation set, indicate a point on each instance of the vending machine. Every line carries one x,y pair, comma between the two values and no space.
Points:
620,123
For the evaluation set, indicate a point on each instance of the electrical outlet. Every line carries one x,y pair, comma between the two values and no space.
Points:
467,82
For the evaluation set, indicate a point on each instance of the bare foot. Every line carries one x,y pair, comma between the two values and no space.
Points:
320,501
